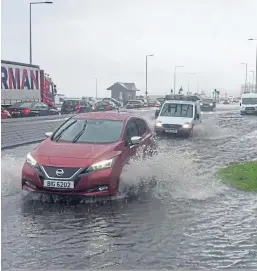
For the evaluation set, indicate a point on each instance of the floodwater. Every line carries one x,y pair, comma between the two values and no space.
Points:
187,220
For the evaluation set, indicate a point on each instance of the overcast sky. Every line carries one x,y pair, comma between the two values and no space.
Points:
77,40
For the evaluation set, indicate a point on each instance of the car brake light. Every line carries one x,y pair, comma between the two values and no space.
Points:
26,111
93,107
108,107
78,107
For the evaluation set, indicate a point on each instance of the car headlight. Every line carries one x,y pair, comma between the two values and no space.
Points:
30,160
101,165
187,126
201,103
158,124
210,104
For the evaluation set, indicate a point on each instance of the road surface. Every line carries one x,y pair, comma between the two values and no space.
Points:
188,220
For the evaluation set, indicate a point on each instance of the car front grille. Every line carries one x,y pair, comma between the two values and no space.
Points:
249,108
67,172
171,126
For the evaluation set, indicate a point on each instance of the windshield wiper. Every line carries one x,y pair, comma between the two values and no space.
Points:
59,136
76,138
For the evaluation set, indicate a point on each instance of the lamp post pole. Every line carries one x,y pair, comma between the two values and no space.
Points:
30,26
175,74
246,75
255,66
96,86
146,75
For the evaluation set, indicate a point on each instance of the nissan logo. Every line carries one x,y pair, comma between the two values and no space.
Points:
59,172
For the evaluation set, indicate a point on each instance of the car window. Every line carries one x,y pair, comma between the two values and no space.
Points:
22,105
141,127
43,105
131,130
208,101
96,131
249,101
177,110
83,103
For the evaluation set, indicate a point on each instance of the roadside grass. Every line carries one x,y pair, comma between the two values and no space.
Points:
240,176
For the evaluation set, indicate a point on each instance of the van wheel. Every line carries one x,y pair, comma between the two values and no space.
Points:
190,133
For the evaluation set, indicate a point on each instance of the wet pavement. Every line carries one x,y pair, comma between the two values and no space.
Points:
188,220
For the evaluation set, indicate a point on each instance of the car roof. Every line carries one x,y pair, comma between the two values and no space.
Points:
179,102
123,116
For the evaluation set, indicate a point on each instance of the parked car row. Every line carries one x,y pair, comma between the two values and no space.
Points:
71,106
28,109
142,103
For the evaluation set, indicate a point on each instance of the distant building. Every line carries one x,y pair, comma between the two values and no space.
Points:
123,92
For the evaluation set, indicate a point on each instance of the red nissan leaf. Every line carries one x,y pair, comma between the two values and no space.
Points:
86,154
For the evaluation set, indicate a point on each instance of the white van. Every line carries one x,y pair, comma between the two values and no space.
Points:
178,117
248,103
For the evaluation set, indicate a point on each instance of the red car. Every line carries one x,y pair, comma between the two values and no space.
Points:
5,114
86,154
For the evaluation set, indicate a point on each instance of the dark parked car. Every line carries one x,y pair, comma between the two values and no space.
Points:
154,103
31,109
207,104
134,104
117,103
76,106
105,106
95,148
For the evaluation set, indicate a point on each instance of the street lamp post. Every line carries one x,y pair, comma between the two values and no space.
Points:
30,31
252,81
255,67
246,75
175,70
189,81
96,85
146,79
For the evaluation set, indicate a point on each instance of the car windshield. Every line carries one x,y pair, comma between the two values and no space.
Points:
177,110
134,102
249,101
207,100
96,131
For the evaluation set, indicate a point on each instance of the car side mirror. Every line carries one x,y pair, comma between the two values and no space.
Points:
197,116
48,134
135,140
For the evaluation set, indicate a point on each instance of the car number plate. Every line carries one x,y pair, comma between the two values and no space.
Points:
171,131
59,184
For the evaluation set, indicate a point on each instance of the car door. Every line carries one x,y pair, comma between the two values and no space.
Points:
85,107
197,114
130,131
35,109
146,134
43,109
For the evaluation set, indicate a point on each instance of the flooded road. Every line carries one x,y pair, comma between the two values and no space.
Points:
188,220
